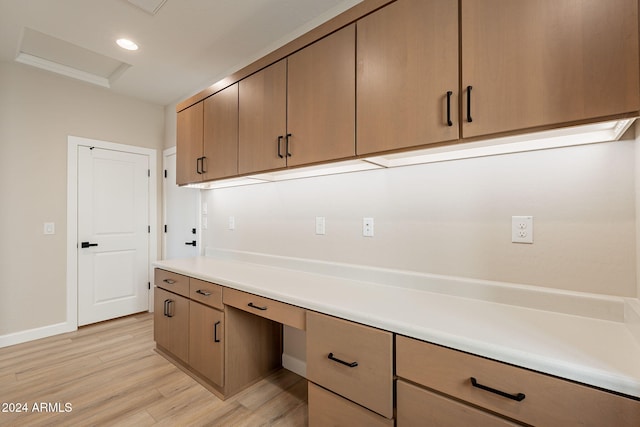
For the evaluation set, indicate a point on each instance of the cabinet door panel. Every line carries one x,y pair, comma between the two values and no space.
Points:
171,323
321,100
545,62
221,134
189,143
407,62
206,342
262,119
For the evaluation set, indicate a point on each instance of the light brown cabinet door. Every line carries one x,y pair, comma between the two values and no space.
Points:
189,144
407,64
221,134
545,62
206,342
171,323
321,100
263,119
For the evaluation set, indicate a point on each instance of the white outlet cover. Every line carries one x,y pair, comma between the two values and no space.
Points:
232,223
49,228
320,226
367,227
522,229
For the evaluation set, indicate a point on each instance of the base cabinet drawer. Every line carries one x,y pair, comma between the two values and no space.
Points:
352,360
206,292
173,282
280,312
517,393
329,409
417,407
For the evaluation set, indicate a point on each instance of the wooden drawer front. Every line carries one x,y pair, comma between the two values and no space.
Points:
274,310
547,400
206,292
420,407
329,409
172,282
370,383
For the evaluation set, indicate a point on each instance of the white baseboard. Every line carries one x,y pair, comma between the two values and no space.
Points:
294,365
36,333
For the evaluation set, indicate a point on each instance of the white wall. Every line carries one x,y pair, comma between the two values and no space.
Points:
38,110
454,218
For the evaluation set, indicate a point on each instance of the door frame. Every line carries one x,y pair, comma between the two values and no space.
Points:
73,144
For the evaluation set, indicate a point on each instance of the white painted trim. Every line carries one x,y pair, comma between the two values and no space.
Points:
73,143
35,333
294,365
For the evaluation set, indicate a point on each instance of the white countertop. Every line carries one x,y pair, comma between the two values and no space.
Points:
590,350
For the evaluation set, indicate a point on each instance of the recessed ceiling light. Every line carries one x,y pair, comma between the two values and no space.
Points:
127,44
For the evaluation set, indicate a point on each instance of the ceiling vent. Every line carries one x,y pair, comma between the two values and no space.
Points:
150,6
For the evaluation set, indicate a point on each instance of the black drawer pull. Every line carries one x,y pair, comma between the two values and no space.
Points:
449,122
518,397
201,292
335,359
167,308
257,307
215,332
287,150
169,281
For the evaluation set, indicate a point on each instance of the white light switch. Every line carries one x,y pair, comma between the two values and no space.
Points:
49,228
232,223
367,227
320,225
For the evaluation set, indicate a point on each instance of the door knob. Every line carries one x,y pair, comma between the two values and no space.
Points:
87,244
191,243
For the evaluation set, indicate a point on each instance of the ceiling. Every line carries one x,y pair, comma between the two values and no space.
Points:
185,45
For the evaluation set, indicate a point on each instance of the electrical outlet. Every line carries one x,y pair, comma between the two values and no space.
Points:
49,228
367,227
522,229
232,223
320,225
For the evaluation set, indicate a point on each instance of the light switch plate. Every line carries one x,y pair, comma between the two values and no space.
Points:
320,225
49,228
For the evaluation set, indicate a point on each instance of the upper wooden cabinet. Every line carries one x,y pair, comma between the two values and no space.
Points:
407,76
547,62
221,134
300,110
189,144
263,119
321,88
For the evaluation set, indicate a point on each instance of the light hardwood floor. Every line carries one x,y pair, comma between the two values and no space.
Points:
110,374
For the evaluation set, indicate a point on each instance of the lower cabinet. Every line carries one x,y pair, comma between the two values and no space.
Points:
206,342
223,348
353,364
470,387
170,321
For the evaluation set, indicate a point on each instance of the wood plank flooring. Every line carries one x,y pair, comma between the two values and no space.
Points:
109,374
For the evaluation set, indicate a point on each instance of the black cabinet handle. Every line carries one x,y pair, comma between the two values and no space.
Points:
280,137
191,243
449,122
204,164
257,307
201,292
288,145
87,244
199,165
215,332
335,359
167,308
469,119
169,281
518,397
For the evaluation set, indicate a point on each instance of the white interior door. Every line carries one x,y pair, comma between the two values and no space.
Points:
113,234
181,207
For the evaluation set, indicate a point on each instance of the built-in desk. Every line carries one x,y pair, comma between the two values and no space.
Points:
592,348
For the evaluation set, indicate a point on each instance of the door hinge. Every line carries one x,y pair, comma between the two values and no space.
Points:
149,285
165,173
149,228
165,228
149,173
